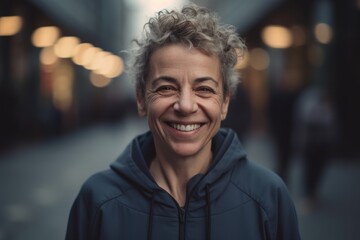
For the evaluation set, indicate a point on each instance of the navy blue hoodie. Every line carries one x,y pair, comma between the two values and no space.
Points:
235,199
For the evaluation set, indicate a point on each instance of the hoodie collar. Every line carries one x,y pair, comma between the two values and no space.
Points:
134,163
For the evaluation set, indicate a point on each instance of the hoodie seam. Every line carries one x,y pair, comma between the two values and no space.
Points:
104,202
254,198
109,200
100,205
223,212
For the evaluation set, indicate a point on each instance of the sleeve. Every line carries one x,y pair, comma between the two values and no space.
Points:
83,221
270,192
284,223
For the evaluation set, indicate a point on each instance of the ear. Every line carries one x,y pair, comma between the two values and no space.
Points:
225,107
140,101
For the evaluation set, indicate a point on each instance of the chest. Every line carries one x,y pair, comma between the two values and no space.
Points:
226,219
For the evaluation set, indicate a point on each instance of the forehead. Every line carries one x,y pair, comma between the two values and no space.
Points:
179,61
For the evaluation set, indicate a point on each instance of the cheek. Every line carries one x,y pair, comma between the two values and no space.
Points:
150,97
157,104
153,100
214,106
220,113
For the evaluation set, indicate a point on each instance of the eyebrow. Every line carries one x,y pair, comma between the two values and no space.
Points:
174,81
204,79
163,78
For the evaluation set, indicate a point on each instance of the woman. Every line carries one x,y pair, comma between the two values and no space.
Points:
186,178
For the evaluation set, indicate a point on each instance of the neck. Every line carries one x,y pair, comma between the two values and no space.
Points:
173,173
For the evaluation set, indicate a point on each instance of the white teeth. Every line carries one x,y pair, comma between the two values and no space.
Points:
185,128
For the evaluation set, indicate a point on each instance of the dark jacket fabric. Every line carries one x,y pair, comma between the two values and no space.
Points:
235,199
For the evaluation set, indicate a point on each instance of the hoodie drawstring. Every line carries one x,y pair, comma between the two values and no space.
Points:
151,216
208,208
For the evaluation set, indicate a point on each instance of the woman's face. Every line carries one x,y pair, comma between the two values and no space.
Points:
184,101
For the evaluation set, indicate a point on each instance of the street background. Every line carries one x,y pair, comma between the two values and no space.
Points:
67,104
38,184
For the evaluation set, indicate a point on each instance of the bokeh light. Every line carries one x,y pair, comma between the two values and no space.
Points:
112,66
323,33
45,36
98,80
259,59
88,55
62,86
10,25
277,36
65,47
80,50
47,56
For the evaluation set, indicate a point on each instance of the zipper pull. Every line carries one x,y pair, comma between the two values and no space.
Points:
182,214
182,223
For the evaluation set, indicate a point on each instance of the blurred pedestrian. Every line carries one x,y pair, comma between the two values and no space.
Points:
186,178
315,140
281,117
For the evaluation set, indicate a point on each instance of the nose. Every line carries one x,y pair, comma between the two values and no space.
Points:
186,102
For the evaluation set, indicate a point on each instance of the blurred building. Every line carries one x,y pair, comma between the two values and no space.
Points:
60,66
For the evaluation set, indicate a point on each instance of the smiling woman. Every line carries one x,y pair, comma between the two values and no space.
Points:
184,104
186,178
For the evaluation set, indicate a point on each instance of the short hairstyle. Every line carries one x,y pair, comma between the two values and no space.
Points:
193,26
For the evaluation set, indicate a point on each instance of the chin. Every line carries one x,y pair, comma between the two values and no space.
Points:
186,150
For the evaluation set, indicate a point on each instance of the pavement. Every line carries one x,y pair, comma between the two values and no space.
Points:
39,182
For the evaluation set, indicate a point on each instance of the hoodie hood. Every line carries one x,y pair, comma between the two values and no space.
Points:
133,165
234,199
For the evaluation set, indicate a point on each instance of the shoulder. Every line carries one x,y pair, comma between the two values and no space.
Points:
261,184
271,195
102,187
256,175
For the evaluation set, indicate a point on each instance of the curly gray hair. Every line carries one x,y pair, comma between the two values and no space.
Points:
196,27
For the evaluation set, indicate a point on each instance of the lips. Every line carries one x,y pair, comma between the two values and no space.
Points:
185,127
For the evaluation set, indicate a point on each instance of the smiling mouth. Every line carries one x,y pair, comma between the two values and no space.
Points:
185,128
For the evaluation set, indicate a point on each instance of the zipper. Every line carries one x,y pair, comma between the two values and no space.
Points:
182,223
182,216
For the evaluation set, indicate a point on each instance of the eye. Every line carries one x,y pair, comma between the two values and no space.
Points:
205,89
165,89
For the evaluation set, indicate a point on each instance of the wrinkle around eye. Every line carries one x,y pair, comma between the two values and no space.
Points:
205,90
161,92
163,89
